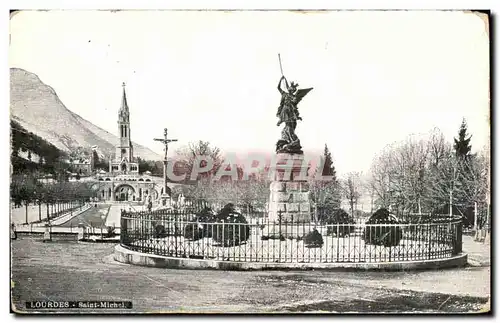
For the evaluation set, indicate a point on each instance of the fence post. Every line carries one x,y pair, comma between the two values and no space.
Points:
175,232
279,230
223,241
458,240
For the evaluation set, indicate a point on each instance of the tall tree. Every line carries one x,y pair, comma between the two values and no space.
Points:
382,178
466,174
328,168
352,190
398,175
462,143
441,174
326,194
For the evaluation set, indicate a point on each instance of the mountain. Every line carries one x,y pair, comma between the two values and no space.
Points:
37,108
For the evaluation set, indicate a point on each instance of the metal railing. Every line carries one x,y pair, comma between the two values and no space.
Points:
176,233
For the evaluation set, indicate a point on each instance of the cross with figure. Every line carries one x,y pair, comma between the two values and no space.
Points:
165,141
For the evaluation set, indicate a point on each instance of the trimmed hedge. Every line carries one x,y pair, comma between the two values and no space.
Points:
387,236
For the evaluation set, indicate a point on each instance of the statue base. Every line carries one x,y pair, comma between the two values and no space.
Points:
289,196
284,147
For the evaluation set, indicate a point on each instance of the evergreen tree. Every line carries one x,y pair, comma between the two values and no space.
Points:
471,171
328,168
326,194
462,143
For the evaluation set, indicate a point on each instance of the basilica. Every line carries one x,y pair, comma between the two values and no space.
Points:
123,182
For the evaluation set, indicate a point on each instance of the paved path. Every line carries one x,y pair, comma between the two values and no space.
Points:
86,271
114,215
18,215
91,217
479,254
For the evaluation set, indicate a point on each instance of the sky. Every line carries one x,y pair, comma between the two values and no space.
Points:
377,76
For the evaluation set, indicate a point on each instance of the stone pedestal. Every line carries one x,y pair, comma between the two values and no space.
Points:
289,190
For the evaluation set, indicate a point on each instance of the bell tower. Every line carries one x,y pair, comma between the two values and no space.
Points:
124,149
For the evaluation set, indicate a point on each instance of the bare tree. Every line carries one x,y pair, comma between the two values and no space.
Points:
422,173
193,150
410,167
352,189
441,170
439,149
398,175
380,180
473,175
253,193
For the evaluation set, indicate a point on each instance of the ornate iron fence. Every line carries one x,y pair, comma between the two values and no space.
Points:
176,233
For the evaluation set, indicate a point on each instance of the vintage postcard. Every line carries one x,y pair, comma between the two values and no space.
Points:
249,161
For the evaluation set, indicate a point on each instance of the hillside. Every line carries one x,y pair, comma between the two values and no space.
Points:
37,108
30,153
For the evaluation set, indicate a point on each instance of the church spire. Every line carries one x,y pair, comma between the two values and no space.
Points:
124,112
124,106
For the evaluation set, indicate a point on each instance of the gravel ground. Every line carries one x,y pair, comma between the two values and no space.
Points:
85,271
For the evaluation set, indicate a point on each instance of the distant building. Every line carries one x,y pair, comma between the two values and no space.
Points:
82,167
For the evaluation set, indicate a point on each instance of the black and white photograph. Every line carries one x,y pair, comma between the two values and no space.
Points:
250,161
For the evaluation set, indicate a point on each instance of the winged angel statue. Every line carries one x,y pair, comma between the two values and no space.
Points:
288,114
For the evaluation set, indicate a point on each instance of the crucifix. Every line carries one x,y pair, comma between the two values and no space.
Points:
165,141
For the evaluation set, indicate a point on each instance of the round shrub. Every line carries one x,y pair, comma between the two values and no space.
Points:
205,217
202,228
226,229
193,231
313,239
160,231
345,223
388,236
